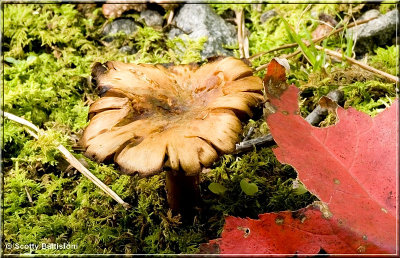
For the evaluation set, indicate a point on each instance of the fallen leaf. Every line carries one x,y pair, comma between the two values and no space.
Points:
305,231
351,167
327,24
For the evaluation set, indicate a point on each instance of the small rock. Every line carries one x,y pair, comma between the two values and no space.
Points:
152,18
373,13
377,32
199,20
267,15
127,50
122,25
175,32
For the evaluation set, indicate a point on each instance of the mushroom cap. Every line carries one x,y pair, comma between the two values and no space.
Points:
111,10
114,9
180,117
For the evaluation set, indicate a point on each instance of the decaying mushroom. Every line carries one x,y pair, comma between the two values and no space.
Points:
114,9
176,118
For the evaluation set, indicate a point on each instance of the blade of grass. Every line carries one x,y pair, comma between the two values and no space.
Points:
349,46
295,37
333,32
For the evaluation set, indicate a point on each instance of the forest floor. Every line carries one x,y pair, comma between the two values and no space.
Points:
48,52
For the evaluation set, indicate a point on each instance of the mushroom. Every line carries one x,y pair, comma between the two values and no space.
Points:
115,10
180,118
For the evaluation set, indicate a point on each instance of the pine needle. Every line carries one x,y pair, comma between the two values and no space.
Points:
70,158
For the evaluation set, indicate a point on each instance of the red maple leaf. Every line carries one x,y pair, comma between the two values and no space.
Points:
351,167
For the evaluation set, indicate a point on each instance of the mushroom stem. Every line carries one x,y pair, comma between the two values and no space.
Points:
183,192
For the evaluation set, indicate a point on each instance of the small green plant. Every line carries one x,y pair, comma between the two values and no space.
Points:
247,187
315,58
217,188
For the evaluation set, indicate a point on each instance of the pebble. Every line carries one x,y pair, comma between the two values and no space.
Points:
378,32
267,15
199,20
121,25
152,18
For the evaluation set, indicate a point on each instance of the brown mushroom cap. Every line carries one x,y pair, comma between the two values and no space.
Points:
181,116
114,9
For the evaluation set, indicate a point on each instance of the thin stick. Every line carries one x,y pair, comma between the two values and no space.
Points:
170,17
301,16
249,133
29,196
313,118
242,37
358,63
21,121
261,67
333,32
259,141
71,159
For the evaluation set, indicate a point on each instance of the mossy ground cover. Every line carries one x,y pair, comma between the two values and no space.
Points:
48,51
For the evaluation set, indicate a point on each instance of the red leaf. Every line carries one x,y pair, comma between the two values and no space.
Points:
351,167
302,232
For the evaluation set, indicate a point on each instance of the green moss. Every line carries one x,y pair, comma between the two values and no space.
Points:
185,50
385,59
260,167
387,5
48,51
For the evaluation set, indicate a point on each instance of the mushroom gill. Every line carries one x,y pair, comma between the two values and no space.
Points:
181,117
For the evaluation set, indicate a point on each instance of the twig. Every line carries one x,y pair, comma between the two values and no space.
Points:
273,50
358,63
71,159
29,196
249,133
242,37
319,112
333,32
315,41
170,17
313,118
249,144
301,16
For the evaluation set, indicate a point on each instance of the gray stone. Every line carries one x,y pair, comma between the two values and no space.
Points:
199,20
121,25
152,18
377,32
267,15
373,13
127,50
